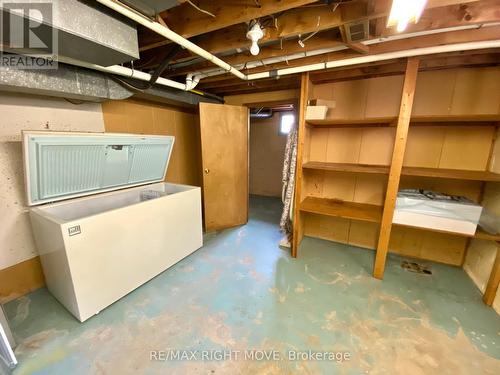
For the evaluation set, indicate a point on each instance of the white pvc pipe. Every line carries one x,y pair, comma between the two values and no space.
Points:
379,57
171,35
126,72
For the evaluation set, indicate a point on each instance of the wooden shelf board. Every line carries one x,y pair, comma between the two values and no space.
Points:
480,234
460,120
455,174
379,121
342,209
346,167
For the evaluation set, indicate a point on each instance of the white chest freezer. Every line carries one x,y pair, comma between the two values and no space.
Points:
115,224
426,209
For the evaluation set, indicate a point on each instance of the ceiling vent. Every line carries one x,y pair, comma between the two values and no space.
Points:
357,31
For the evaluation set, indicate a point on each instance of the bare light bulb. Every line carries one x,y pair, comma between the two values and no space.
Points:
254,34
254,48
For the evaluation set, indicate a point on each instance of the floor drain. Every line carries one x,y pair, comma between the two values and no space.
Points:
415,267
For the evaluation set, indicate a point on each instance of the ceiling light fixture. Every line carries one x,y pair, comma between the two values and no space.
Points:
255,34
403,12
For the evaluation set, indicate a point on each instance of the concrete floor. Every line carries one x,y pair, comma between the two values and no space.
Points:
241,292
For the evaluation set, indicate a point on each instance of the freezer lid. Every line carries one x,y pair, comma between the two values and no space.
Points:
62,165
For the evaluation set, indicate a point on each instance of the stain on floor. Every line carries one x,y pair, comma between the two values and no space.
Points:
243,295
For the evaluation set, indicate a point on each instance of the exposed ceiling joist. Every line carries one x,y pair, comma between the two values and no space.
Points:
188,21
487,33
233,38
297,21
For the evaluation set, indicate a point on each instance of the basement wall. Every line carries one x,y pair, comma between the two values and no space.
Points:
267,148
142,117
20,270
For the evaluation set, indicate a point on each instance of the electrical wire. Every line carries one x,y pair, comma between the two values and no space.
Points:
199,9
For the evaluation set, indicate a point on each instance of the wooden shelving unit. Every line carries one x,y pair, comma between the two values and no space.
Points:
315,176
454,174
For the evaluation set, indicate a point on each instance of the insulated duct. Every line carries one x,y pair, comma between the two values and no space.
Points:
67,82
83,29
75,83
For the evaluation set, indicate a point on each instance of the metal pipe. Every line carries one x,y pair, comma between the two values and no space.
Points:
169,34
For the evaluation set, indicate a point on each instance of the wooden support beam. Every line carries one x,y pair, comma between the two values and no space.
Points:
298,225
398,153
494,280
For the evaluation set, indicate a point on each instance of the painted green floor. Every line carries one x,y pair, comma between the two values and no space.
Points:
241,292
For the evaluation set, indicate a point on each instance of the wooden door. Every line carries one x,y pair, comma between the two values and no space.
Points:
224,148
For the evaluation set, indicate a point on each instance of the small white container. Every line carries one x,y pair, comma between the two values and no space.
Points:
316,112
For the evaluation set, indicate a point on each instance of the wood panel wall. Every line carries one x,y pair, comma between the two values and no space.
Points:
445,92
267,153
142,117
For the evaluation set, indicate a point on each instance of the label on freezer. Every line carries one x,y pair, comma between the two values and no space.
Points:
72,231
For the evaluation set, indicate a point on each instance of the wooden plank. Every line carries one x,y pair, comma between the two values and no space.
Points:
493,281
298,229
224,146
338,208
20,279
353,122
454,174
346,167
396,165
429,120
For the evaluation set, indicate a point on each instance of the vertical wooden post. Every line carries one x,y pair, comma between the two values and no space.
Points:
396,165
492,286
297,218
